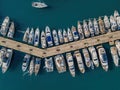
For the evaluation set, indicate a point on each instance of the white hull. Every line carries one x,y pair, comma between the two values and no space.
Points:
37,37
43,40
11,30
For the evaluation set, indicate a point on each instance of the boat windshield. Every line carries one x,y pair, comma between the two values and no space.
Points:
37,62
75,33
104,57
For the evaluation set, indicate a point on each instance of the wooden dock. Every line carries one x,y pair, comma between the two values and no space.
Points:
76,45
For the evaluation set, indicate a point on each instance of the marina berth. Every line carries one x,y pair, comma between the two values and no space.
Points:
103,57
60,36
80,63
85,28
60,63
37,37
86,57
11,30
113,23
48,36
96,27
115,56
5,26
49,67
31,37
43,40
26,35
80,30
70,63
101,26
70,36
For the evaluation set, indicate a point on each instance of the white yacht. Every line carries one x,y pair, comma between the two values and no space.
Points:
37,65
80,30
118,22
91,29
94,55
86,30
96,27
55,37
70,36
115,56
43,40
101,25
60,36
113,23
80,63
70,63
26,61
106,22
31,66
26,35
2,55
48,36
86,57
11,30
117,44
60,63
7,60
37,37
75,33
103,57
39,4
31,37
5,26
65,36
49,64
116,14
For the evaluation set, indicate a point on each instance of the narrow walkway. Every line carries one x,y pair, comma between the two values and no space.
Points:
109,37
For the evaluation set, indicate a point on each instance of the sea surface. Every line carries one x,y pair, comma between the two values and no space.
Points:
60,14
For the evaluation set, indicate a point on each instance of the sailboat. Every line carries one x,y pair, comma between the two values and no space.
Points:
39,4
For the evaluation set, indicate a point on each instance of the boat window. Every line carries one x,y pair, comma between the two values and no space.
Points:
49,38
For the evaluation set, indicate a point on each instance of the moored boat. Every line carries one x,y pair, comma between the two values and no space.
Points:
80,30
118,22
31,37
31,66
26,35
5,26
86,57
43,40
117,44
48,36
49,64
60,63
37,37
86,30
70,36
106,22
96,27
91,29
55,37
115,56
101,25
75,33
60,36
116,14
26,61
37,65
11,30
94,55
103,57
80,63
113,23
70,63
7,60
65,36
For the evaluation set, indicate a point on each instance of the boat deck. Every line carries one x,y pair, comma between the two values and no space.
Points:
76,45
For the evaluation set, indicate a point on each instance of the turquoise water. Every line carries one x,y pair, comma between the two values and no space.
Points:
60,14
